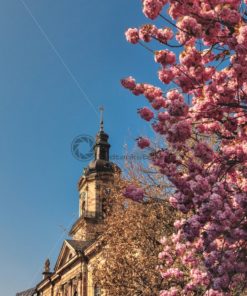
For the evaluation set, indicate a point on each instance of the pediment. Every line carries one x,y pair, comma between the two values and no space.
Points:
67,252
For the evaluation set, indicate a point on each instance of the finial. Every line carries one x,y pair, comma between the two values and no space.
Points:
101,118
47,266
47,271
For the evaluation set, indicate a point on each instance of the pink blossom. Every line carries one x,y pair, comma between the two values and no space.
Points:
208,73
189,28
230,15
200,186
163,240
212,292
165,57
179,223
174,95
152,92
152,8
204,152
163,116
166,256
129,83
190,57
165,75
221,282
180,249
132,35
164,35
207,56
146,32
177,108
179,132
199,277
171,292
208,181
133,192
143,142
172,273
158,103
146,113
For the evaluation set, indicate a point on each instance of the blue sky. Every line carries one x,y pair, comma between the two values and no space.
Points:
42,110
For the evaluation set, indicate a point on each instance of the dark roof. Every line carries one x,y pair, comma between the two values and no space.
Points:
99,166
29,292
79,245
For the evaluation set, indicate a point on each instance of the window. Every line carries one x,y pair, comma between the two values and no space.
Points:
97,290
84,202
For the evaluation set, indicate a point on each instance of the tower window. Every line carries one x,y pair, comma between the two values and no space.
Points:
84,201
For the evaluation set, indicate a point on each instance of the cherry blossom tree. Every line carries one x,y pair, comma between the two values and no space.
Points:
203,63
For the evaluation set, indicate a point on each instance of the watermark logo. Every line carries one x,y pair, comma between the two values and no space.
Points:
82,147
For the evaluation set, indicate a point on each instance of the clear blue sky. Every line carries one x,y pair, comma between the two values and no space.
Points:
42,110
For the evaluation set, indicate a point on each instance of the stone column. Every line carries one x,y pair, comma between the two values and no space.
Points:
78,283
66,290
58,291
52,289
73,286
84,280
70,288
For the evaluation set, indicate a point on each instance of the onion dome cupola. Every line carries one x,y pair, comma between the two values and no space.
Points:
101,162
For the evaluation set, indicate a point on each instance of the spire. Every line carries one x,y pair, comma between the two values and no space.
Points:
101,118
101,161
101,147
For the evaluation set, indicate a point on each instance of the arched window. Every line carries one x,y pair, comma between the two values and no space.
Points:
84,202
97,290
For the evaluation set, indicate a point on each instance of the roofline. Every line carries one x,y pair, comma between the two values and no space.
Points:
93,247
57,274
70,262
65,243
83,255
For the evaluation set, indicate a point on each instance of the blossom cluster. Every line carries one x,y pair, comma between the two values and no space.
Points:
204,123
134,192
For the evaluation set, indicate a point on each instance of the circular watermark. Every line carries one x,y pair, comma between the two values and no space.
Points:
82,147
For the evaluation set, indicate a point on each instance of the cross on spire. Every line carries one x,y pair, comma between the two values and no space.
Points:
101,118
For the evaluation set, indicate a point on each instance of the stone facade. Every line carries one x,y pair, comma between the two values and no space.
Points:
73,274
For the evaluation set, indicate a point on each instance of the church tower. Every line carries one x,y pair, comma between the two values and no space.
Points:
93,189
73,272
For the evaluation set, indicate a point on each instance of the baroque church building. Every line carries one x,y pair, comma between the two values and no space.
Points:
73,271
